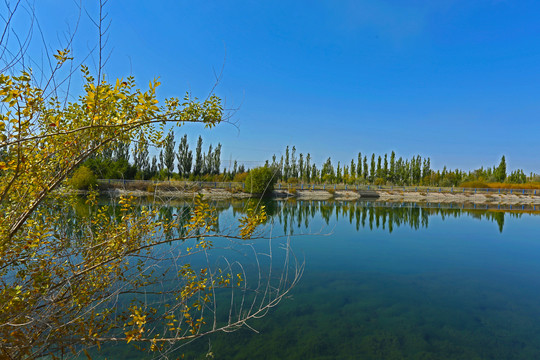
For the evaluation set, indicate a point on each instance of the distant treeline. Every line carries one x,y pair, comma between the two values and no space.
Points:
132,161
125,161
385,170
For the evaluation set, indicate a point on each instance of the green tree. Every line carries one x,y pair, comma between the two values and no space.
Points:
365,168
379,168
121,151
169,154
372,169
426,171
286,167
184,158
301,166
327,172
385,169
392,171
141,160
260,181
208,164
359,167
161,161
217,160
294,168
199,161
235,168
154,166
417,169
307,171
500,173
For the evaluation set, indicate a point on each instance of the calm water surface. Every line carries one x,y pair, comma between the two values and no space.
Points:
397,283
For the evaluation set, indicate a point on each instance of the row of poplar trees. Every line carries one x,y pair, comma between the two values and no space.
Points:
115,162
379,170
382,169
189,165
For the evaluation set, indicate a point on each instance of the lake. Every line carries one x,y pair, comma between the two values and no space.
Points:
393,281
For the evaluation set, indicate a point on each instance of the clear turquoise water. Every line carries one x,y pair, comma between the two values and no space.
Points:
416,284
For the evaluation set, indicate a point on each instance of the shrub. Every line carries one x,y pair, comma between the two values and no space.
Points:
292,180
240,177
474,184
260,180
83,178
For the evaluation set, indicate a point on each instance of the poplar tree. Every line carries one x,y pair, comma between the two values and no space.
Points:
184,158
327,171
500,173
208,163
276,167
372,169
301,166
294,169
385,170
365,168
199,161
217,160
407,172
418,169
314,172
379,168
359,168
168,155
161,161
154,166
235,168
286,168
141,161
281,168
308,169
392,175
426,171
121,151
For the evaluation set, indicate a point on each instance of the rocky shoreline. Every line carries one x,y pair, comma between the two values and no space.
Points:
345,195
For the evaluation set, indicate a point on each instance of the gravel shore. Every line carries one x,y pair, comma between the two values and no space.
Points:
388,196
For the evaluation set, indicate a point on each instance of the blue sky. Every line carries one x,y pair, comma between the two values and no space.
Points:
458,81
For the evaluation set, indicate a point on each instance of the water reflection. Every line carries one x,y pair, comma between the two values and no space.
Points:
428,297
376,215
295,215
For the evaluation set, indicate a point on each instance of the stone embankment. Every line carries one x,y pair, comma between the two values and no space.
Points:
459,198
348,195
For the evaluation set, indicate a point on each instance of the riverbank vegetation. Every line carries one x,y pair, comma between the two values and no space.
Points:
293,168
